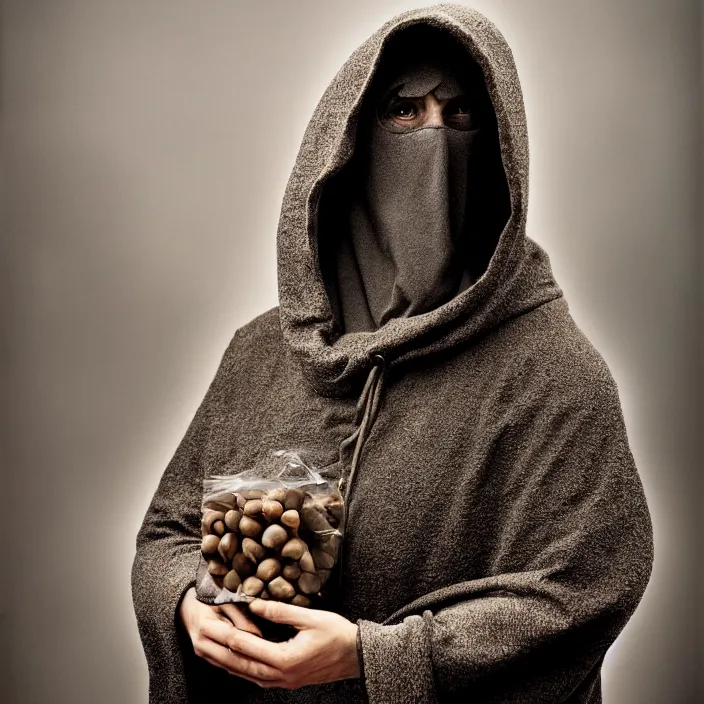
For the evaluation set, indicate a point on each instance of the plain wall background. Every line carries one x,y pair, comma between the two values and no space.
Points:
147,144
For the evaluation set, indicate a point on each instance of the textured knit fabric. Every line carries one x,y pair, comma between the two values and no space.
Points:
498,537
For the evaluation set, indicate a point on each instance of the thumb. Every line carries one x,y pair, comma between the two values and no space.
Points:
279,612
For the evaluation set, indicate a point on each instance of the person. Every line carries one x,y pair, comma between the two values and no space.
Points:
497,538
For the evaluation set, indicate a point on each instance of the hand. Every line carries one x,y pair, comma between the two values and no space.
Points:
209,625
323,650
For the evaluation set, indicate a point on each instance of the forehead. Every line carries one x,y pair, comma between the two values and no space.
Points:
424,59
425,78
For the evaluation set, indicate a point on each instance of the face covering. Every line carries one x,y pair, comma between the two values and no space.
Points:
413,204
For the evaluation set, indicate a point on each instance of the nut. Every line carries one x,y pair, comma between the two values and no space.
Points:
217,568
253,550
209,517
268,569
324,575
209,544
294,499
250,527
294,548
309,583
221,502
228,546
218,528
271,509
252,586
232,519
252,494
274,536
279,588
314,517
291,518
253,507
277,495
232,581
300,600
292,571
264,594
306,562
243,565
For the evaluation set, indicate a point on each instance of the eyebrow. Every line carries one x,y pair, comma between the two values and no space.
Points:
385,102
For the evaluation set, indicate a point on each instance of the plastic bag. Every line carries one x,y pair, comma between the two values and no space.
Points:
272,532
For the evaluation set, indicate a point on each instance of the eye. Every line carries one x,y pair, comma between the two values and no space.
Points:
403,109
401,113
458,113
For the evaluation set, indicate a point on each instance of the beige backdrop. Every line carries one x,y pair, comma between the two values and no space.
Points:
147,146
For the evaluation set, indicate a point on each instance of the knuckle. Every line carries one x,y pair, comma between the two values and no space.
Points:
246,667
259,672
252,669
249,670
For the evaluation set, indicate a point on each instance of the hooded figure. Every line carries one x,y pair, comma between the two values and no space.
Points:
497,537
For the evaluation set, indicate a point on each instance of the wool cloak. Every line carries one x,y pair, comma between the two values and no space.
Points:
498,538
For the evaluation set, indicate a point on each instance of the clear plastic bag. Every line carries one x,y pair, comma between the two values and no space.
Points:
271,532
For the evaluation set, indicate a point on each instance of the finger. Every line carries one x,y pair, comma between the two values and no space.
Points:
219,613
260,649
239,619
222,666
217,629
242,642
236,617
237,664
296,616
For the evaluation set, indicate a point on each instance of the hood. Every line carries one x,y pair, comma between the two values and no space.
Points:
406,225
518,275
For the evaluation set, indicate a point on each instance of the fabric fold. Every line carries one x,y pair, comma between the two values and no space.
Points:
366,410
167,554
396,663
536,625
508,262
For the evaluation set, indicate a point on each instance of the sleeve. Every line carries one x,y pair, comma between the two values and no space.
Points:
573,556
168,552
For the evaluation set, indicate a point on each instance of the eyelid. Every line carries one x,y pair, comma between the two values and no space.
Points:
395,103
401,101
462,101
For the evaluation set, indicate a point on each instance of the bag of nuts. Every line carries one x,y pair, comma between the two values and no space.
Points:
273,534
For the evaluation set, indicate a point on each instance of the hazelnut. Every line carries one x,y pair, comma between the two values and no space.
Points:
274,536
252,586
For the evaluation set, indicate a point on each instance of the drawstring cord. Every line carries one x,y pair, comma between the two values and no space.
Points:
367,408
372,391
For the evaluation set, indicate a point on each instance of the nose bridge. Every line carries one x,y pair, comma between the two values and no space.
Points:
433,111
